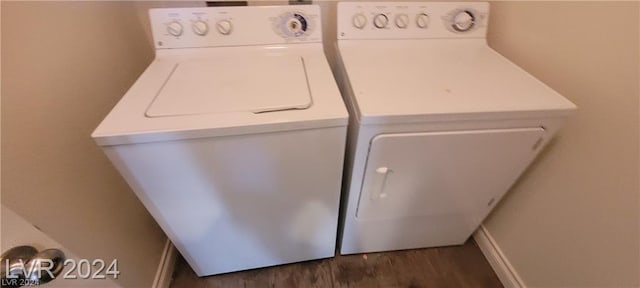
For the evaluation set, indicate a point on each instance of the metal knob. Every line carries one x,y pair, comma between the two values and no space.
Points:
46,266
24,264
12,262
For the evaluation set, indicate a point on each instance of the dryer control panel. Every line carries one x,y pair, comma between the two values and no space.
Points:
234,26
412,20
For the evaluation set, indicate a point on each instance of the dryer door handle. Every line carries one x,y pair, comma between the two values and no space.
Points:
379,181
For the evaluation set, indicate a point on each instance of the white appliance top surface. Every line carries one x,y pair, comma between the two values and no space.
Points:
205,92
418,80
223,71
241,83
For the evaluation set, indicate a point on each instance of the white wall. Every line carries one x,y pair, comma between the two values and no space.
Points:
573,219
64,66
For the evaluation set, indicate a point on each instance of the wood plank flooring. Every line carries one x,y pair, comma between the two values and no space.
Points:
457,266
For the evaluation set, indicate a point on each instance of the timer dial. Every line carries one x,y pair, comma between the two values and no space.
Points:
294,24
297,25
463,21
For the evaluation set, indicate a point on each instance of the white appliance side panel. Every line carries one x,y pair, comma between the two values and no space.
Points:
447,178
241,202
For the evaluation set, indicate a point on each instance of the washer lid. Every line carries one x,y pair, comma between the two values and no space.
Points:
278,73
253,83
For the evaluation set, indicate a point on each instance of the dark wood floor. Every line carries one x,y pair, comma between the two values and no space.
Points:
459,266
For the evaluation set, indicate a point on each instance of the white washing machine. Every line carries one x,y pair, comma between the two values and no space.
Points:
441,124
234,136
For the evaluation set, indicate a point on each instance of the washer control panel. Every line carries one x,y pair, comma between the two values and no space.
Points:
412,20
234,26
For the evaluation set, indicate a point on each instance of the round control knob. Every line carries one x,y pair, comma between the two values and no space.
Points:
359,20
224,27
463,21
200,27
380,21
422,20
174,28
295,26
402,21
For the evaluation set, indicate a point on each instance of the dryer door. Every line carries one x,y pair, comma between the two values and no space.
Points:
453,176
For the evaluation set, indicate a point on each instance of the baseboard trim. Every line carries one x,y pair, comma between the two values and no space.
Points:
500,264
167,264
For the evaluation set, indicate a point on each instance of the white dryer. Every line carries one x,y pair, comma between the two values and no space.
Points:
234,136
441,124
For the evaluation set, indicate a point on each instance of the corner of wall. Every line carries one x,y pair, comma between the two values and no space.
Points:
498,261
